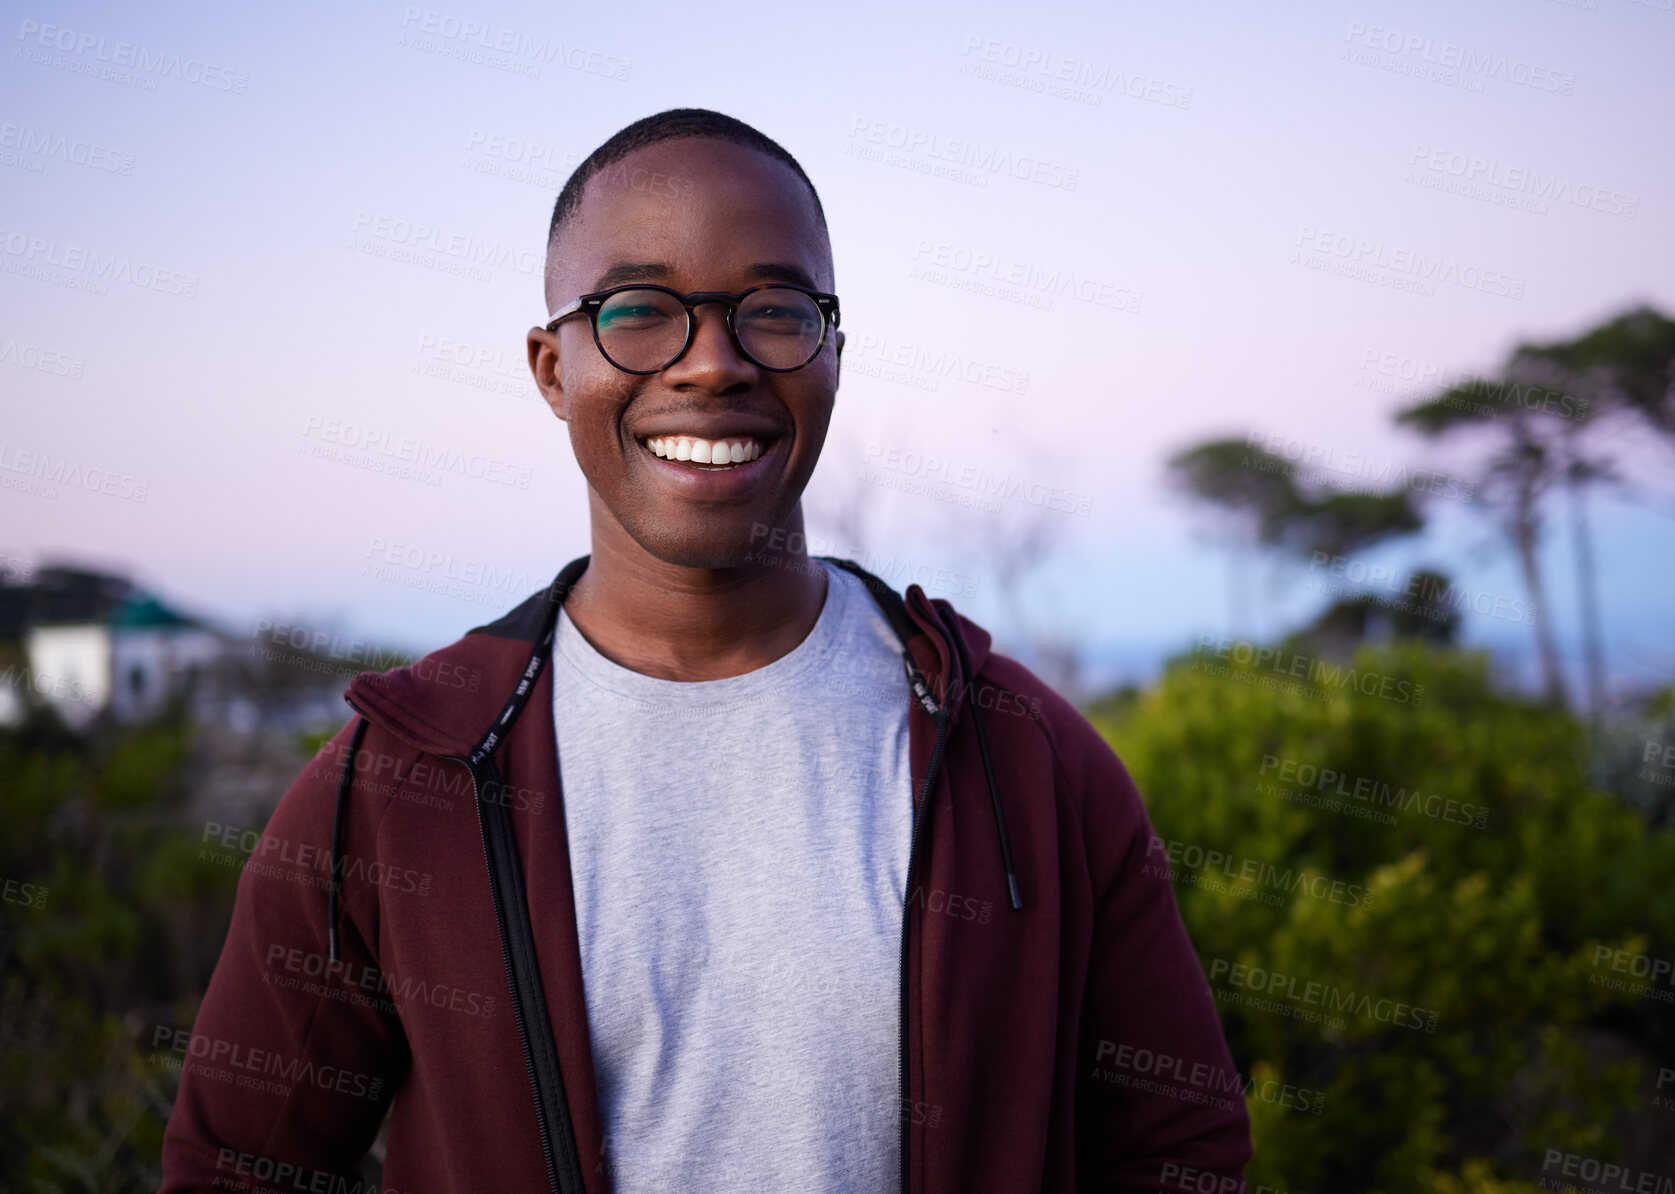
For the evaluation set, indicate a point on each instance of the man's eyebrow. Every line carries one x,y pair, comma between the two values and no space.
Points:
655,271
631,271
777,271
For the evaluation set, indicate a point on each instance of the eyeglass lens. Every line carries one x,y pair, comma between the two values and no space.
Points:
644,330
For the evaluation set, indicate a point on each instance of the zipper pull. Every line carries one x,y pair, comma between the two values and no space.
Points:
916,681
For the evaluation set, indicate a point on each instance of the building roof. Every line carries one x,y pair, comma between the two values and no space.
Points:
142,609
63,596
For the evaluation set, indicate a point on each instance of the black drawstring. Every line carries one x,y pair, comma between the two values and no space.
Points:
951,621
895,610
337,838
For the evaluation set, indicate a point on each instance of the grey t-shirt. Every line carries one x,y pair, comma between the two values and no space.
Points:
739,850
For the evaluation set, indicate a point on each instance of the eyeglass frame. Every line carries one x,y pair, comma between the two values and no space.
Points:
589,305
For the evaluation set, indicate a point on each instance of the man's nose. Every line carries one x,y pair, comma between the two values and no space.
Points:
712,359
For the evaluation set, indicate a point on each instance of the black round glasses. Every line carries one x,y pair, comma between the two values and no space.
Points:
642,328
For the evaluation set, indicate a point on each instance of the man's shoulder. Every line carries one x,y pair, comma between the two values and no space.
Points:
1075,742
1082,784
444,699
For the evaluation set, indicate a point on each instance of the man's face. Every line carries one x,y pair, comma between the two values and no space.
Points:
745,219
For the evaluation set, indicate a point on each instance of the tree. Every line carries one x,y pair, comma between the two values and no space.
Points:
1554,419
1267,509
1623,372
1519,467
1251,490
1341,523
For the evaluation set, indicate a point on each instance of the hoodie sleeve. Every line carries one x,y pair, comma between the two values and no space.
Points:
289,1068
1159,1105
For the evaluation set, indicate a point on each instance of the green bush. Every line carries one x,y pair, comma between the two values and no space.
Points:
120,939
1485,912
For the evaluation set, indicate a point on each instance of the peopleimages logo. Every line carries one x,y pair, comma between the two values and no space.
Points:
1327,675
1150,1070
933,260
303,863
478,37
255,1066
1367,255
286,1175
46,472
90,268
1063,76
1172,859
361,442
1325,997
973,477
1427,590
156,64
34,895
941,363
1317,781
1202,1181
42,360
929,147
1658,972
1473,170
348,980
78,152
1304,459
471,250
1453,56
1603,1174
1397,373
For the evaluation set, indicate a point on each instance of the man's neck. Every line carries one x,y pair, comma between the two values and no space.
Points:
677,623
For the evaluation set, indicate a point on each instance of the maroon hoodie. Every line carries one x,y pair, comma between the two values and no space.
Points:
1068,1044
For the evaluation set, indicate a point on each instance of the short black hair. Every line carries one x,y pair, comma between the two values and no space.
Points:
670,125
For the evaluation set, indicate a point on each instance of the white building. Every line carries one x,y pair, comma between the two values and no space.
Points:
96,646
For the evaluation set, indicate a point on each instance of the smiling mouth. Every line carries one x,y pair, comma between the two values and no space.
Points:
710,455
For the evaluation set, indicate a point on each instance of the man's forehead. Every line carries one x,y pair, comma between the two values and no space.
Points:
620,273
677,168
641,215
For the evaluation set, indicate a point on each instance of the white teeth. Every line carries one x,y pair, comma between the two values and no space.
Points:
705,451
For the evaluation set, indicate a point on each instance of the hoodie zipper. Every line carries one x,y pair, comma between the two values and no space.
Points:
519,1015
512,985
920,814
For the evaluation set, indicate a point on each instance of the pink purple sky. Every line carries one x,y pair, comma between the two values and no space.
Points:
250,254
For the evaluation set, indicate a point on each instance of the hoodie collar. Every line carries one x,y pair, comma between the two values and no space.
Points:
440,703
437,704
446,702
934,652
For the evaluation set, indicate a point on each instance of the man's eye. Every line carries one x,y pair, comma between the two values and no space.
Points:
631,315
785,320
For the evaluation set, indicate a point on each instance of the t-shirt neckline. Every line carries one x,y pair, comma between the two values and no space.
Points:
584,661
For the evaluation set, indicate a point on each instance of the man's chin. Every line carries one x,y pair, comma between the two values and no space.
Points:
710,551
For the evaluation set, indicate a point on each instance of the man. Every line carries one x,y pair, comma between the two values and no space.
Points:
710,867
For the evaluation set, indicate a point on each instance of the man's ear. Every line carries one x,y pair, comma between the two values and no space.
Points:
545,365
